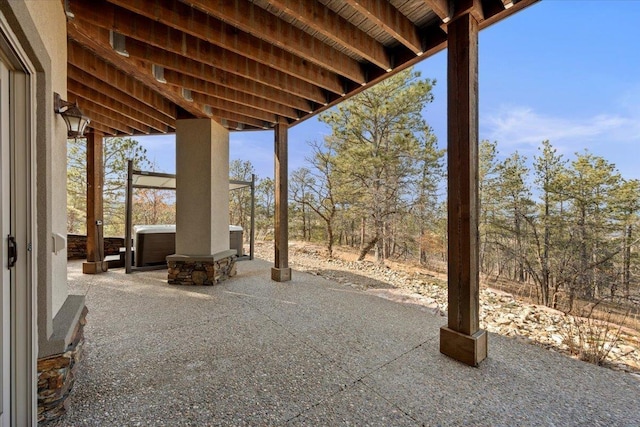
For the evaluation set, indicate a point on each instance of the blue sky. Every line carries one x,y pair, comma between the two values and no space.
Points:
563,70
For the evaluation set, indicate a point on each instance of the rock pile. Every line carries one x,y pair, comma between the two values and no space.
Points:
500,312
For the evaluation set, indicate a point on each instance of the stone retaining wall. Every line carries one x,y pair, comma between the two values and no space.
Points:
56,376
77,246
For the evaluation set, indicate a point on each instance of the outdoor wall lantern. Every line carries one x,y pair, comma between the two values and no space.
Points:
74,118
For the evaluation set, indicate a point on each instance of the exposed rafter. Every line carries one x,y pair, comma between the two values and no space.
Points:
336,28
391,21
244,15
109,101
140,65
177,39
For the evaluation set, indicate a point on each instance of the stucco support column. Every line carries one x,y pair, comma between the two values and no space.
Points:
281,271
95,182
462,338
203,256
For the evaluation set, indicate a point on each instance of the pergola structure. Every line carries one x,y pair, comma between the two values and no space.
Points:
143,67
151,180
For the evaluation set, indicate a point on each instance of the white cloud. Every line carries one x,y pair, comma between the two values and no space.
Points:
524,128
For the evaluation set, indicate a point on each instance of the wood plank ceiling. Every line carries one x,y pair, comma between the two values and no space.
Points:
135,66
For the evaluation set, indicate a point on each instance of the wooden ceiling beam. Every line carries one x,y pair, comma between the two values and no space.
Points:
106,100
230,116
201,62
101,119
208,75
83,60
333,26
508,11
473,7
93,107
99,86
252,19
94,39
102,128
390,20
149,55
241,51
442,8
222,93
232,107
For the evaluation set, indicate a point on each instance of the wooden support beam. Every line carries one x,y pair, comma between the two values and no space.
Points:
113,105
244,15
95,182
81,59
281,271
100,86
390,20
508,11
185,19
333,26
462,338
473,7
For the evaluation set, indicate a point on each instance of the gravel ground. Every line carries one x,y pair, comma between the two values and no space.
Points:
500,312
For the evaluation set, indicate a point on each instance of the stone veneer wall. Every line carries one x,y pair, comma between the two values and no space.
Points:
56,376
183,270
77,246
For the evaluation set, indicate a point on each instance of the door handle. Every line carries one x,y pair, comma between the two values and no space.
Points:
12,253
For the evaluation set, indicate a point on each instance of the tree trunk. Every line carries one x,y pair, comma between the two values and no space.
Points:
366,248
626,274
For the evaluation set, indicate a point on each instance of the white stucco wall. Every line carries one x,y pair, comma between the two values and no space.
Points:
49,18
202,187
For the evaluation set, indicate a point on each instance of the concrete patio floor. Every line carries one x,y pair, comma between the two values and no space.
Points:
310,352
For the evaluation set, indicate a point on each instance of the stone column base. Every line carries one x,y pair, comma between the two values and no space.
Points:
97,267
280,274
56,376
201,270
469,349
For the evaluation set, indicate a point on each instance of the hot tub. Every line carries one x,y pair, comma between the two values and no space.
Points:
153,243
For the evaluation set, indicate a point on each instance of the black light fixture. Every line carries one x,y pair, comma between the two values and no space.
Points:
74,118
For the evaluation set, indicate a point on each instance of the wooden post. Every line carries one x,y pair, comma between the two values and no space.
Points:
281,271
252,232
128,219
95,182
462,338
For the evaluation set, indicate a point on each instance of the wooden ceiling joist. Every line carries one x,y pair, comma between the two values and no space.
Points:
108,101
236,83
244,15
139,65
84,61
107,131
91,39
218,94
391,21
442,8
99,86
241,51
336,28
93,105
105,120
